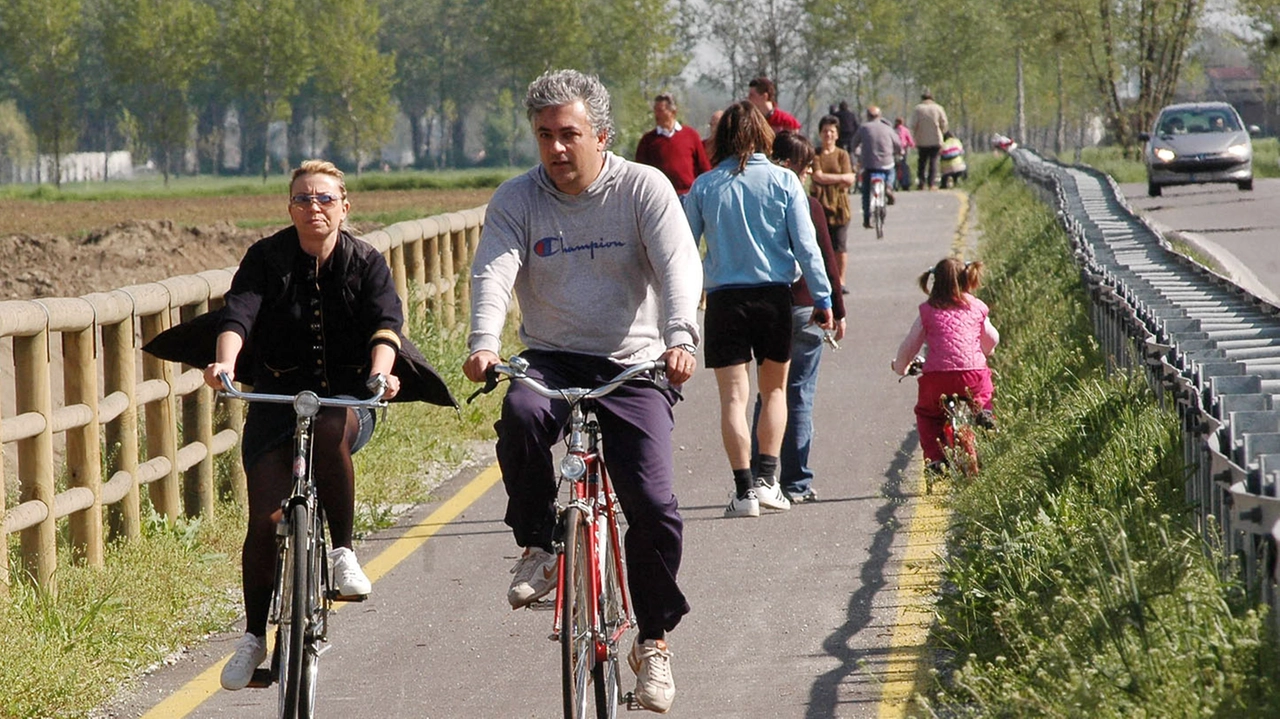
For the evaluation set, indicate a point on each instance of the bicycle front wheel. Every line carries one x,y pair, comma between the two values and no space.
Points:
293,628
315,604
879,219
613,617
577,645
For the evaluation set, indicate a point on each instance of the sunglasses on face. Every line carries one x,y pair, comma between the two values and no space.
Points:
325,200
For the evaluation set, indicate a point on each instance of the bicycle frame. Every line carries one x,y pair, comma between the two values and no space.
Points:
593,586
294,662
878,201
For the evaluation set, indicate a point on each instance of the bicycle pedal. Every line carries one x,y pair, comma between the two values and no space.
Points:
334,596
261,678
632,703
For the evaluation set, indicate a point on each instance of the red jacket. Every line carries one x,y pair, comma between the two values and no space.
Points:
681,157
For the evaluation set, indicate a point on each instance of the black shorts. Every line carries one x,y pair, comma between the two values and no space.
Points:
268,426
743,322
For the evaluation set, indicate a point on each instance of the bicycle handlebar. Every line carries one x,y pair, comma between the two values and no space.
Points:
378,385
518,366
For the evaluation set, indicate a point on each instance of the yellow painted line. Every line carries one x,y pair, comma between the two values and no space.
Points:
195,692
907,666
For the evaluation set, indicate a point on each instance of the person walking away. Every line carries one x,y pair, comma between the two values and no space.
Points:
708,142
877,145
832,178
901,162
675,149
958,331
951,160
794,152
928,122
754,217
601,260
762,93
848,125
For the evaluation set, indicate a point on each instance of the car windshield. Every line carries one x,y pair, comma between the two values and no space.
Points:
1197,120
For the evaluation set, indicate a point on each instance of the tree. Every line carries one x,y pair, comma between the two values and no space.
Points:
265,60
39,40
154,50
354,83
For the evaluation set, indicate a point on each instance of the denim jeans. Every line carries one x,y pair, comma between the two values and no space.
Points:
794,474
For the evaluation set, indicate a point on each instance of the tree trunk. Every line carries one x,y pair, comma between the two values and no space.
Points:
1020,110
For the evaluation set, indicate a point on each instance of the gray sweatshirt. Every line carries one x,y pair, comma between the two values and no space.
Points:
611,272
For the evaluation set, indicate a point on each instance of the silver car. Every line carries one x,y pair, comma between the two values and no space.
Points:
1198,142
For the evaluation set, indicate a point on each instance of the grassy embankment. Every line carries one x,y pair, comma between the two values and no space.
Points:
1074,585
63,655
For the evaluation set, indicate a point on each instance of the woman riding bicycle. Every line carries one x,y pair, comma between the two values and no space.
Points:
960,337
310,308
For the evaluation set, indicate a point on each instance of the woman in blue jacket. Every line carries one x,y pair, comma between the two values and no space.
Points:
754,217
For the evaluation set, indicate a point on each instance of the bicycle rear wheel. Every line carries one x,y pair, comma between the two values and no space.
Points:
577,645
292,633
613,618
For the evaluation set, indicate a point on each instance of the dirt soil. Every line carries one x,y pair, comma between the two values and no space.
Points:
72,248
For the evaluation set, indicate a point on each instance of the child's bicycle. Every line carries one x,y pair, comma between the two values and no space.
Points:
303,593
958,436
593,609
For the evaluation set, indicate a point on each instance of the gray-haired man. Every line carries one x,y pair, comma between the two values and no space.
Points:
599,253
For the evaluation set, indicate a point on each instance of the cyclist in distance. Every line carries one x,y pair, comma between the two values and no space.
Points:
310,308
960,336
601,259
876,145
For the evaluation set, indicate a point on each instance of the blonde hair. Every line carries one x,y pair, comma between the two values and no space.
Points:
319,167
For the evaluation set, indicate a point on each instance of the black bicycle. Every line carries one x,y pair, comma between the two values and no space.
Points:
303,591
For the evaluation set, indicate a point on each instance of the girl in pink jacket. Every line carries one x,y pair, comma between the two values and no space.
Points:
954,325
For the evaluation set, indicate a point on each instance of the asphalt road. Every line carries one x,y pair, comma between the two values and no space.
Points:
793,613
1240,229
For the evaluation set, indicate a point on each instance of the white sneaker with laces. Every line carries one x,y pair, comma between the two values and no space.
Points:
250,652
535,577
771,495
745,506
651,661
348,577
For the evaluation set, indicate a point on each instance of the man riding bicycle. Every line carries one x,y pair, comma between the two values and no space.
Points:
602,260
876,145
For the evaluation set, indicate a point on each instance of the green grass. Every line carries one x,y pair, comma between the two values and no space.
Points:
1074,586
63,655
239,185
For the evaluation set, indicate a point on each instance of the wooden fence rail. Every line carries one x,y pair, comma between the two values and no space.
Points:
107,383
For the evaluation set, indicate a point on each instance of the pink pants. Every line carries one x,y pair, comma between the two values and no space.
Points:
930,417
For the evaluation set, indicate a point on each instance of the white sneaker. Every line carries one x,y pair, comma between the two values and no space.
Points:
651,661
746,506
250,652
535,577
348,577
771,495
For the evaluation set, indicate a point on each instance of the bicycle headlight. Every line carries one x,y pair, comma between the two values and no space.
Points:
572,467
306,404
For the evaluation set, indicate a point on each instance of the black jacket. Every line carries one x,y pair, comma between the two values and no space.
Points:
304,331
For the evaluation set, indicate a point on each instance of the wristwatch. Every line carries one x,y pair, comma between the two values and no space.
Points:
691,349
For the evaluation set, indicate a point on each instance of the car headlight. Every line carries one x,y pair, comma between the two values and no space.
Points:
1239,150
1164,154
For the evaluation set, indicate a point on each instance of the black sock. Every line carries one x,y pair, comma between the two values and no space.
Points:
742,481
767,468
646,636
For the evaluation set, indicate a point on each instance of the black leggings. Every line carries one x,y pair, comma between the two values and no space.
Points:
270,480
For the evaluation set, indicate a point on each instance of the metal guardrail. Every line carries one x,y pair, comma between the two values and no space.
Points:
1207,344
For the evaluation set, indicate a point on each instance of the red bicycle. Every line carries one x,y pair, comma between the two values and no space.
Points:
593,610
958,436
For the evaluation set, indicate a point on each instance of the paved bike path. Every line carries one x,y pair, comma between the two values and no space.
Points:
794,614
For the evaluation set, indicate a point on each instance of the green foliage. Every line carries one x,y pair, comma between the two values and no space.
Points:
1074,583
355,82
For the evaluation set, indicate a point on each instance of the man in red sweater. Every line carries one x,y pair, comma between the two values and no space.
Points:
671,147
762,93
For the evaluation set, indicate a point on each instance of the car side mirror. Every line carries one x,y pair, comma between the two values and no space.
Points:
1144,136
1254,131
